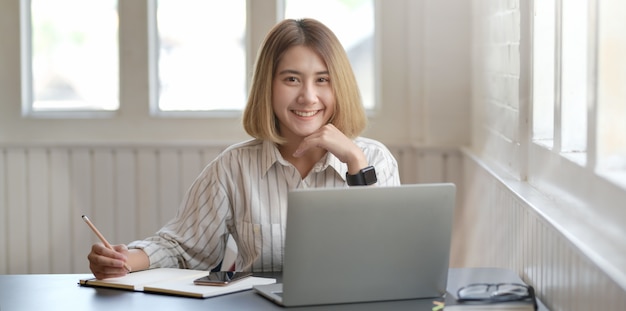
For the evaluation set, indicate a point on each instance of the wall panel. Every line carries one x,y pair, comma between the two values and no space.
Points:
17,223
81,202
125,194
60,211
38,210
4,215
147,212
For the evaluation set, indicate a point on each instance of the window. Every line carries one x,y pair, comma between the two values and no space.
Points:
611,109
560,80
201,55
574,77
198,51
73,56
544,69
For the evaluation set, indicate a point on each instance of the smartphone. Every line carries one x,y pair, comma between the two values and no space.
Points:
221,278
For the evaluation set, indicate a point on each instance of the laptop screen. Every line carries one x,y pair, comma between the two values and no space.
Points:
367,243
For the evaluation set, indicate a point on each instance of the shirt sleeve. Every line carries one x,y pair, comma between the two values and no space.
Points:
196,238
383,161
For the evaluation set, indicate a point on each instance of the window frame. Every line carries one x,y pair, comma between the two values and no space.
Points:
563,175
272,13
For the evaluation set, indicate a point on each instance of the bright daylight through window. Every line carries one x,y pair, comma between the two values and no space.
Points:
201,55
74,56
611,92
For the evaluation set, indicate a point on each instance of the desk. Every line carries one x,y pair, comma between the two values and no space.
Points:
61,292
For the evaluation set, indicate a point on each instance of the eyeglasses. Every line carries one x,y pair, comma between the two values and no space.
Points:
500,292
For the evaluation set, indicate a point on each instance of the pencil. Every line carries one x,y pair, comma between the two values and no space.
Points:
101,237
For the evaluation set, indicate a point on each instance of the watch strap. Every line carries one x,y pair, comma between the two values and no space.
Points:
365,177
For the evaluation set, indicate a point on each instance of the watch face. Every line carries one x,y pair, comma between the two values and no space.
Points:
369,175
366,176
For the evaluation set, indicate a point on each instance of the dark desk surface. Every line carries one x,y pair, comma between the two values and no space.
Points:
62,292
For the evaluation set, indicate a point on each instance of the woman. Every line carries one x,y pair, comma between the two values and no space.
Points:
305,114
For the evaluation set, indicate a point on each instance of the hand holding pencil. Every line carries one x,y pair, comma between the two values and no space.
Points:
101,237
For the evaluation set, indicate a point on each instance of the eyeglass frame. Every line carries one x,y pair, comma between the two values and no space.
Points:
529,289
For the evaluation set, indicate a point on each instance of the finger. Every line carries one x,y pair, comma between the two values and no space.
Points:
118,251
105,267
304,146
101,256
107,272
104,261
323,138
332,140
121,249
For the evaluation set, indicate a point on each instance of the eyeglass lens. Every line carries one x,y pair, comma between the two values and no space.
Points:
510,290
498,291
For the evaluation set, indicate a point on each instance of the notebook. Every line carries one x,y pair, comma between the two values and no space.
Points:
362,244
173,281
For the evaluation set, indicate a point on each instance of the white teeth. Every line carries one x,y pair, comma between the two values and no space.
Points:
305,113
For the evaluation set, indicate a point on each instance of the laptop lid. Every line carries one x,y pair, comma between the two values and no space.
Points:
363,244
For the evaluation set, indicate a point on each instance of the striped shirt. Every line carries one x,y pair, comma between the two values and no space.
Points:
243,193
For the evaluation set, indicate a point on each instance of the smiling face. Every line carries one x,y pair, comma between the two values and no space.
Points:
302,96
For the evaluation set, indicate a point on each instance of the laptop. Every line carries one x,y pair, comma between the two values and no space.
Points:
363,244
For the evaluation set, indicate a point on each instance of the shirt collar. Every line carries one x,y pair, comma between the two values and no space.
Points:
332,161
270,155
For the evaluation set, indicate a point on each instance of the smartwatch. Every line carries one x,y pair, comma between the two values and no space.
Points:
364,177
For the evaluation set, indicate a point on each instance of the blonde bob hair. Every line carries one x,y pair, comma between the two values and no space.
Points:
349,116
